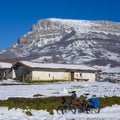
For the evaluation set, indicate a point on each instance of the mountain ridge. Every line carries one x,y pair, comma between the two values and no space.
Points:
94,43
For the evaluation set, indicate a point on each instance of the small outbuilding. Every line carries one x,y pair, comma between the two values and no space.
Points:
4,69
33,71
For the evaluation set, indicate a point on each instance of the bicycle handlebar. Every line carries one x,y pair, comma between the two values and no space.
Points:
72,92
86,94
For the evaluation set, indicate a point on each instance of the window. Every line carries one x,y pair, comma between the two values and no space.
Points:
80,74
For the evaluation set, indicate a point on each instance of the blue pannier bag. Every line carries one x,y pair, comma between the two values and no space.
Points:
95,102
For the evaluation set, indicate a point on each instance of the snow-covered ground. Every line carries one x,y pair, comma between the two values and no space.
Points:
100,89
108,113
9,82
59,89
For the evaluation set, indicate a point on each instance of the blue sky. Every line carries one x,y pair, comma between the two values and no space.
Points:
18,16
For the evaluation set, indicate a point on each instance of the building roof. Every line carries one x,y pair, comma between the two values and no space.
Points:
5,65
58,66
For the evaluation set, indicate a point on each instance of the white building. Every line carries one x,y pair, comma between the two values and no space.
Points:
32,71
4,68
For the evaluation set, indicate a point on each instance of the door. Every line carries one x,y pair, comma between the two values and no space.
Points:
72,76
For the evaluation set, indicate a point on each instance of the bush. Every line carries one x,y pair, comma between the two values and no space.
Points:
109,101
28,113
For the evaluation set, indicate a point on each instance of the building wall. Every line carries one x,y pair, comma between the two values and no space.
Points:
84,76
4,73
19,73
29,76
11,74
50,75
1,72
61,75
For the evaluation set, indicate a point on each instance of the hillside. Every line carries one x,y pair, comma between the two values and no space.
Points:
94,43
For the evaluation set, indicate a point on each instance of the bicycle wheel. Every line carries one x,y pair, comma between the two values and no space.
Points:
96,110
73,108
69,109
90,109
60,110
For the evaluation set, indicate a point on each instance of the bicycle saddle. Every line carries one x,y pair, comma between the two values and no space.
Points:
86,94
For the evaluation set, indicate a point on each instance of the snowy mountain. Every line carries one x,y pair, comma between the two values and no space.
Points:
95,43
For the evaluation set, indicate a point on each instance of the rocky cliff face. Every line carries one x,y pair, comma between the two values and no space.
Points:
96,43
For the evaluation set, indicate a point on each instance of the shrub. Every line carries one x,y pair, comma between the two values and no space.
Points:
28,113
37,95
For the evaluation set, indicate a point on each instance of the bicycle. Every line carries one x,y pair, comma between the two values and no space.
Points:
91,108
68,107
74,104
86,105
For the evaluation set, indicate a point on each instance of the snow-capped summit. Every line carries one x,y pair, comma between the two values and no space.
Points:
81,26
